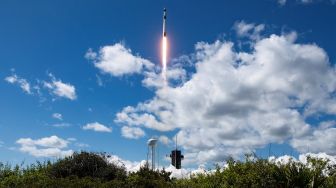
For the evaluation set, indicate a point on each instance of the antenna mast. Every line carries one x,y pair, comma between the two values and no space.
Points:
175,149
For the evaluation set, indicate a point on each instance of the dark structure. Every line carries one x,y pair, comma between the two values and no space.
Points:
176,158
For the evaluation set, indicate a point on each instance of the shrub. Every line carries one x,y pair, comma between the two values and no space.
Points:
87,164
149,179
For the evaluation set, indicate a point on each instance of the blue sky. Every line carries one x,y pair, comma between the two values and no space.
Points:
58,49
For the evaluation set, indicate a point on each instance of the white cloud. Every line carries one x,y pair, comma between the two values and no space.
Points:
61,125
175,74
134,166
60,89
165,140
52,146
99,80
250,30
187,172
131,166
305,2
257,95
132,132
55,87
326,124
82,145
57,116
90,54
23,83
285,159
97,127
71,139
330,159
320,140
282,2
117,60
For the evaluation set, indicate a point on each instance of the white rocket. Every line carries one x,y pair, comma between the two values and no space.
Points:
164,46
164,21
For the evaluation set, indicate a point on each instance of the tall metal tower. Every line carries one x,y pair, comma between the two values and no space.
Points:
176,157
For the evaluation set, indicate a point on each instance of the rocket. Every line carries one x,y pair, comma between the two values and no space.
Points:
164,21
164,46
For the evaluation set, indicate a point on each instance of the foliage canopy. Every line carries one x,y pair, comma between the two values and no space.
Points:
88,169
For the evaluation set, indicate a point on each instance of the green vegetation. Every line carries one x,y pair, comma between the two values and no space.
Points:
87,169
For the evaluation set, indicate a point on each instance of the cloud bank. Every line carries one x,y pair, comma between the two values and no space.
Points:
52,146
239,101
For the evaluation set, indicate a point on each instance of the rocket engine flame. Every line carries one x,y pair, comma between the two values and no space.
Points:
164,57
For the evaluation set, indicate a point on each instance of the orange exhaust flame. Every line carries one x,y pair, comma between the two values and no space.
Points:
164,58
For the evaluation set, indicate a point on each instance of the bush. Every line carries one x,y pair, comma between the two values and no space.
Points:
149,179
87,164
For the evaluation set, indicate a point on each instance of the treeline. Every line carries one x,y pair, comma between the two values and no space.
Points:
87,169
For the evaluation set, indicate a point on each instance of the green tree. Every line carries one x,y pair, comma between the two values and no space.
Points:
87,164
147,178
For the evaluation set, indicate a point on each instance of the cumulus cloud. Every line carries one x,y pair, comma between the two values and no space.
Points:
305,2
250,30
130,166
326,124
55,87
60,89
23,83
282,2
97,127
320,140
285,159
165,140
187,172
52,146
263,95
117,60
132,132
174,74
330,159
134,166
57,116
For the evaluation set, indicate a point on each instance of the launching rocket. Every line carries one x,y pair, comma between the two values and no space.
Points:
164,46
164,21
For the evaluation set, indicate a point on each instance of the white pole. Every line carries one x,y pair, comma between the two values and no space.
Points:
153,157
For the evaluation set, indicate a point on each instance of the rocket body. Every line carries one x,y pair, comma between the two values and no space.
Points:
164,47
164,22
